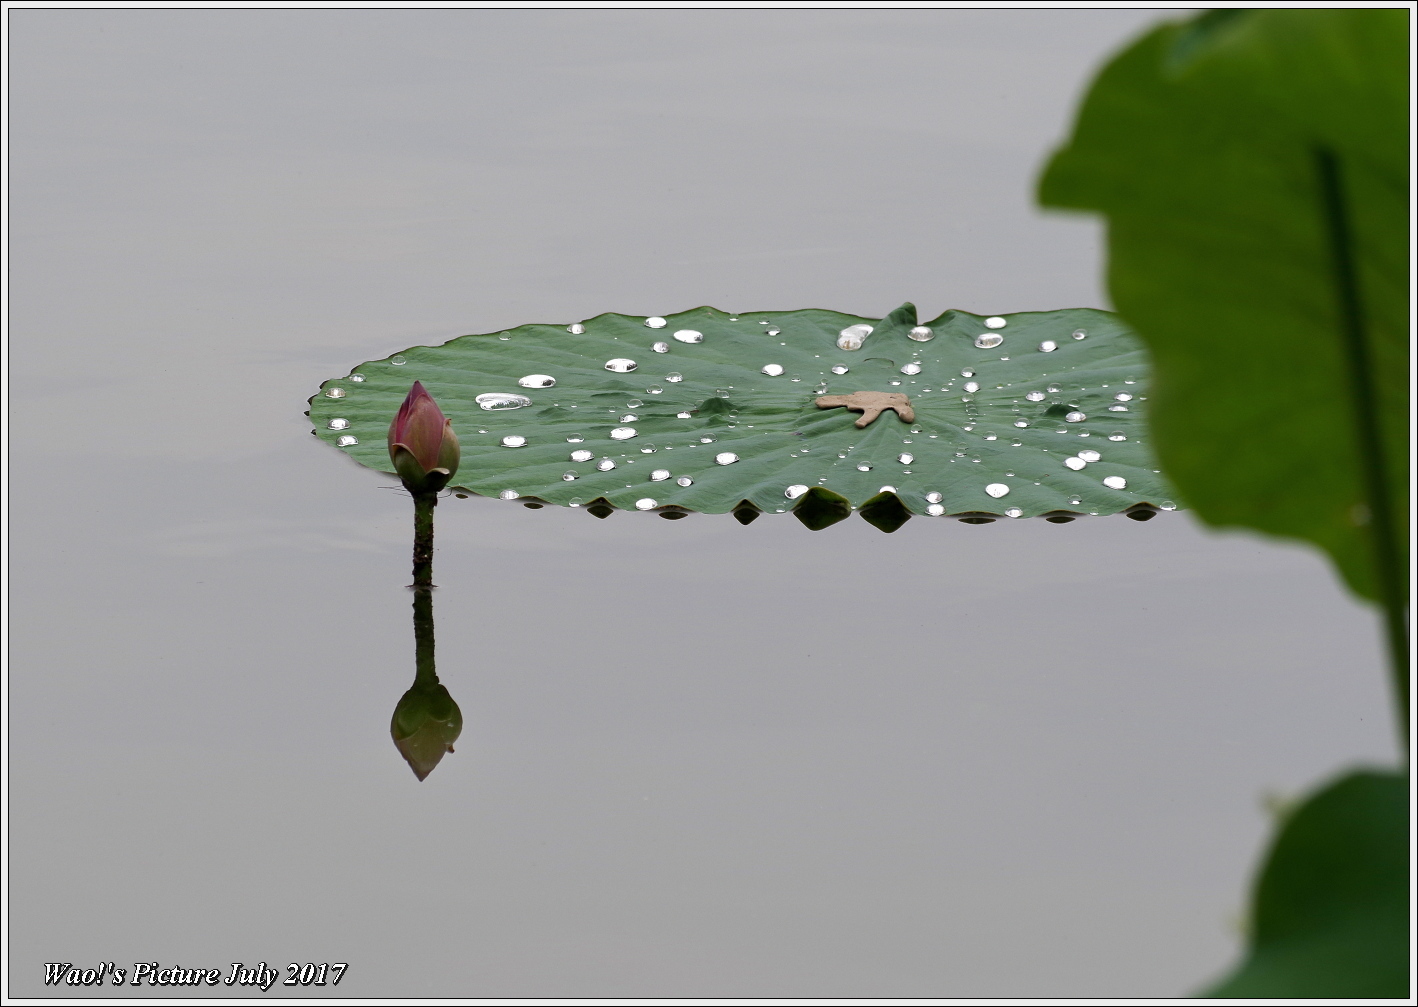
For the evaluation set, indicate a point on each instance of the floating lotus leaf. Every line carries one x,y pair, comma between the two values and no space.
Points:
1032,414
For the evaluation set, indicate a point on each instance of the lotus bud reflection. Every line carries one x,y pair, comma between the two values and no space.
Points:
426,723
422,444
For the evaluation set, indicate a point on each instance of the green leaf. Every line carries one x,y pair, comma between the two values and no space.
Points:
1281,389
729,423
1331,903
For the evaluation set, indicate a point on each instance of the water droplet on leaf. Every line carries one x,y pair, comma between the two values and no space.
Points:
498,401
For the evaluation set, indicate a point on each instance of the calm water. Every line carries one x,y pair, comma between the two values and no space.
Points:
698,759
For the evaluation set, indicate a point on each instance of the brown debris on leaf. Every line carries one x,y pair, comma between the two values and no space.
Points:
871,405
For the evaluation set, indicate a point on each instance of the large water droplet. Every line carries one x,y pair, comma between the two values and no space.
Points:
660,347
684,481
1117,435
935,509
647,449
683,416
988,341
1034,396
972,386
1117,409
569,476
508,495
967,372
840,369
995,322
851,337
659,475
576,328
1075,463
1115,483
627,418
911,368
537,381
689,336
1089,456
398,360
794,491
1048,346
605,465
621,365
934,497
1123,397
725,458
774,332
708,438
905,458
338,423
674,377
514,441
863,466
574,438
1075,416
334,393
655,390
347,440
773,370
921,334
1079,334
356,377
1167,505
997,490
622,433
582,455
655,322
646,503
497,401
1013,512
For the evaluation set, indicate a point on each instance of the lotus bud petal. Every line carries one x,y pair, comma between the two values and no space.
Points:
422,444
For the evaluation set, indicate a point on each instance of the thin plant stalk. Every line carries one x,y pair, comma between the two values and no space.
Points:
423,539
1353,325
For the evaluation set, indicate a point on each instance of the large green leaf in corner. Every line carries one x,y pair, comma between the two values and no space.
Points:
1022,415
1331,903
1253,169
1200,143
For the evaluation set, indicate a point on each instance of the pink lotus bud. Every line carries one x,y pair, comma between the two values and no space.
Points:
422,444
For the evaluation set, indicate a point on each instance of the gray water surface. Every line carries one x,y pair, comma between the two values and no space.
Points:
699,759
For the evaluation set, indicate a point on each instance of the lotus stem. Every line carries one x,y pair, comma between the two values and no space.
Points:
423,539
1388,566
